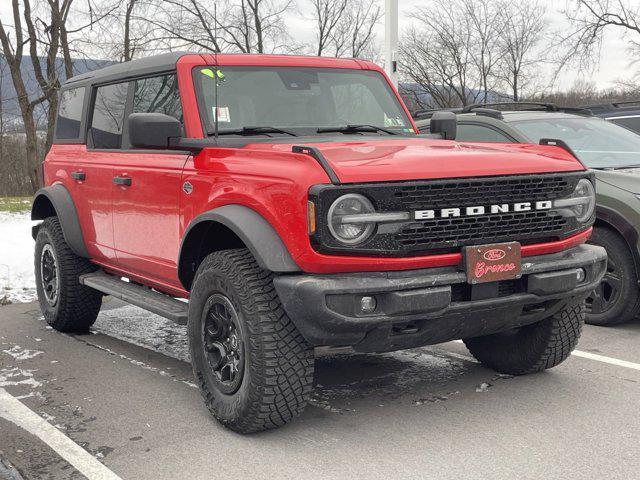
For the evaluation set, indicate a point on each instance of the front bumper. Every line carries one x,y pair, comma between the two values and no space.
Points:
423,307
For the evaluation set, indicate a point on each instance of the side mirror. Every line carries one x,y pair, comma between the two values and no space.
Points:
445,124
153,130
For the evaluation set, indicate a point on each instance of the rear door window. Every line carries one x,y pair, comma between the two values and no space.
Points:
158,95
107,121
70,114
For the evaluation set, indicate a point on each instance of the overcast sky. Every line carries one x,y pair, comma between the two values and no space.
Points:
614,63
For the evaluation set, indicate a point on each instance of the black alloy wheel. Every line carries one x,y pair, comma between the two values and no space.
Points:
607,294
49,275
223,344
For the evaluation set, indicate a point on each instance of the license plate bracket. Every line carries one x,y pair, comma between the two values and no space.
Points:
492,263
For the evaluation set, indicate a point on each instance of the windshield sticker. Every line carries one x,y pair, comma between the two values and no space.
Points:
208,72
211,73
223,114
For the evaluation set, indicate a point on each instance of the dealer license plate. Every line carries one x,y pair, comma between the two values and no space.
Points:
491,263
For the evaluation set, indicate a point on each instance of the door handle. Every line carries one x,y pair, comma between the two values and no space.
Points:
79,176
123,181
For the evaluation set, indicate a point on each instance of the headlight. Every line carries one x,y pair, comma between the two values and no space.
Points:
343,219
582,202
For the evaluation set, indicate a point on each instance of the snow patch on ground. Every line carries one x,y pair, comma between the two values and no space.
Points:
20,353
10,377
145,329
17,279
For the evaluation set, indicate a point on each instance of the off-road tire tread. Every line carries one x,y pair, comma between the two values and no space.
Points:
78,305
536,347
629,303
281,361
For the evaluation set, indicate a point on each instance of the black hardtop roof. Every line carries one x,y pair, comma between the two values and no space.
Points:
134,68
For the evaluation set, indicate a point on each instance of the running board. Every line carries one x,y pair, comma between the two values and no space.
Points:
137,295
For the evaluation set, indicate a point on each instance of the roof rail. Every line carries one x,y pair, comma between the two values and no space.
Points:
428,112
549,107
603,107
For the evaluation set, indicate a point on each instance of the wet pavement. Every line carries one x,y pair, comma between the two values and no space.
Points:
125,394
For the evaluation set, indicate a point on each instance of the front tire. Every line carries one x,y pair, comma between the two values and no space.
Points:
254,368
532,348
66,305
617,297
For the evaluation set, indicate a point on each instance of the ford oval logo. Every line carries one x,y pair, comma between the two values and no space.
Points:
494,254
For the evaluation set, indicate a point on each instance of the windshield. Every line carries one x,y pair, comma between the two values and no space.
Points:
299,100
598,143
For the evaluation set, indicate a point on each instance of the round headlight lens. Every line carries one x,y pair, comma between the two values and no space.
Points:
347,232
584,190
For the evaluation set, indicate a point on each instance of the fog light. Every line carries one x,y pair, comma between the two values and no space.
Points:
581,275
367,304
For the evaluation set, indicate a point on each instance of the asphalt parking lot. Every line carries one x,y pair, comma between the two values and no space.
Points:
426,413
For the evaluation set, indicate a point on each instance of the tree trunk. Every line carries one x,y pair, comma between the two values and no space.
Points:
32,157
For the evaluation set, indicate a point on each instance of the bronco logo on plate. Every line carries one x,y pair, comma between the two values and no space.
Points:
491,263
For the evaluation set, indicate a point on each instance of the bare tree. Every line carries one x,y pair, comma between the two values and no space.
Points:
589,20
523,27
440,53
486,32
246,26
346,27
122,27
355,32
327,15
42,38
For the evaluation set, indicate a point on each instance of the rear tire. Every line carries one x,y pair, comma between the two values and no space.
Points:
532,348
254,368
617,298
66,305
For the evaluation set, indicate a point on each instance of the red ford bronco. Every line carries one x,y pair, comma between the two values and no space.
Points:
291,202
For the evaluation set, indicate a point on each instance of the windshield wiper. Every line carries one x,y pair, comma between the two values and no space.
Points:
254,131
355,128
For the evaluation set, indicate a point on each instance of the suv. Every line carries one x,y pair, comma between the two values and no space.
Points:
290,200
626,114
613,152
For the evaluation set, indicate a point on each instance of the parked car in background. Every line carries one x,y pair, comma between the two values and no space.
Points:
626,114
612,151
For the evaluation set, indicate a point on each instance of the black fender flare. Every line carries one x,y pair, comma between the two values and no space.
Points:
624,228
255,232
60,198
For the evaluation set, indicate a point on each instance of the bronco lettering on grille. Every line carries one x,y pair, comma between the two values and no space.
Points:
482,210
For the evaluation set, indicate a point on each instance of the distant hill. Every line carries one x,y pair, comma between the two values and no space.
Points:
11,111
411,91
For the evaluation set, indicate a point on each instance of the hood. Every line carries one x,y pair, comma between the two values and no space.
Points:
624,178
420,158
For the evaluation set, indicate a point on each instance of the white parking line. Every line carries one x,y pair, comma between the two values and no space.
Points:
609,360
16,412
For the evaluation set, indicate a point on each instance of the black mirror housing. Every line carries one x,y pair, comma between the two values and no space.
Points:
153,130
445,124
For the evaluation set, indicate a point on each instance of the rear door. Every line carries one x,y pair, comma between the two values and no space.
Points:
91,170
146,225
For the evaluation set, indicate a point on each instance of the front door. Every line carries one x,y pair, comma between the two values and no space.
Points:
146,191
145,207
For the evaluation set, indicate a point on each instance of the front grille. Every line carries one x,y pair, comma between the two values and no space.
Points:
444,235
479,192
471,230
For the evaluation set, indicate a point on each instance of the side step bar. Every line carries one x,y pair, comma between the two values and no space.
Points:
137,295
